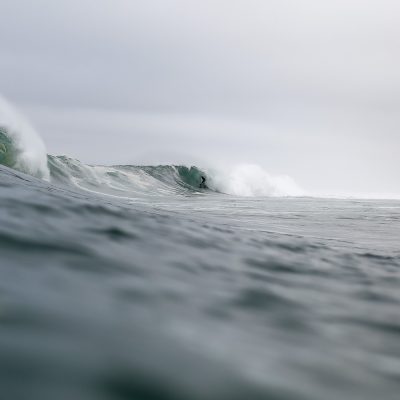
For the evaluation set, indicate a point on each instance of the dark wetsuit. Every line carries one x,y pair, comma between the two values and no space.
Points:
203,183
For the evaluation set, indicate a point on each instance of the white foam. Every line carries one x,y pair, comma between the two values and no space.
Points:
32,156
251,180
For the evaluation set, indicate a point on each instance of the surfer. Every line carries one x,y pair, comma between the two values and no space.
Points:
203,183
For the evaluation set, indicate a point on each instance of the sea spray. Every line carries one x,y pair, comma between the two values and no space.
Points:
251,180
21,147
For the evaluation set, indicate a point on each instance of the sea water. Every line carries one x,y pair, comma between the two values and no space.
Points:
196,295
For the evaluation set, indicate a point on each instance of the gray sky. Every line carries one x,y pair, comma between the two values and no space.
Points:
308,88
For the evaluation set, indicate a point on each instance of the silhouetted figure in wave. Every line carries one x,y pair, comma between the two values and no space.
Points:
203,183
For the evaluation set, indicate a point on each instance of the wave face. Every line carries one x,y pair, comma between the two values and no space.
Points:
21,147
127,180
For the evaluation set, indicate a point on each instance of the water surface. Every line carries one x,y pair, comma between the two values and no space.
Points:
132,283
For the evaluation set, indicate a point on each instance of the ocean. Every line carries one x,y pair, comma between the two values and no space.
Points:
132,282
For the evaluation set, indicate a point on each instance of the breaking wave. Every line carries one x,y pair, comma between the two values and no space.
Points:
21,147
126,180
133,181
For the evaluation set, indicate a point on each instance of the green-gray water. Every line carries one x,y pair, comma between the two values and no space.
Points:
7,149
132,283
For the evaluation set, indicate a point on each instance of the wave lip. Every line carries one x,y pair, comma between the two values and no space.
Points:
21,147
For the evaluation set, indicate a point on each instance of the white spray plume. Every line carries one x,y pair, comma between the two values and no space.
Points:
251,180
31,151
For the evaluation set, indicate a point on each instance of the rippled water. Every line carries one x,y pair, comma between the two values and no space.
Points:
196,296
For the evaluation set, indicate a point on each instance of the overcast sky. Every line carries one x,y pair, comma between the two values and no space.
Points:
308,88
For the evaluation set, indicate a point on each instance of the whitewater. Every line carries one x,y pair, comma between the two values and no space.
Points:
135,282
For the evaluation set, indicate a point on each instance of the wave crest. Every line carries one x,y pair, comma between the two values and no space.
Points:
21,147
